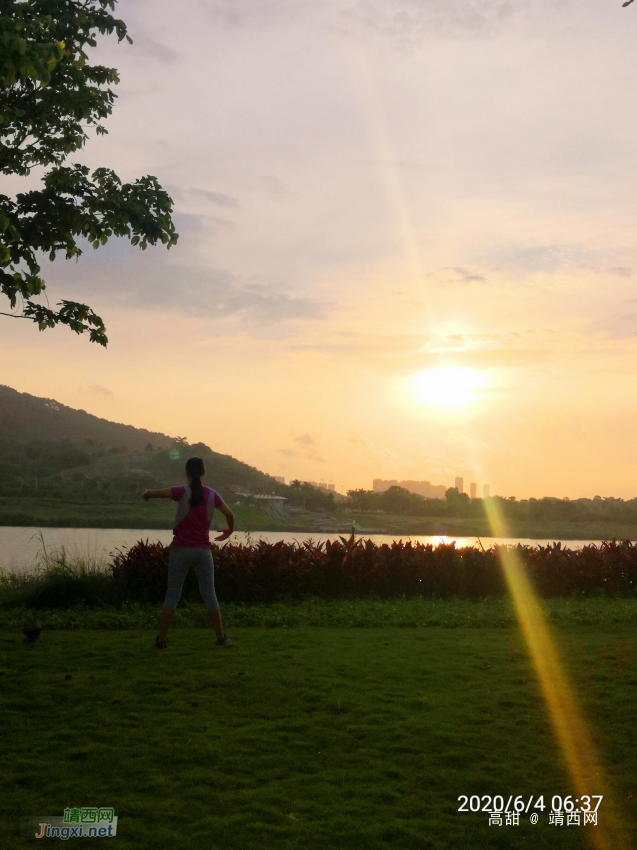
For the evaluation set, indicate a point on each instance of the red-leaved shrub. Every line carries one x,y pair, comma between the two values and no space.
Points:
354,568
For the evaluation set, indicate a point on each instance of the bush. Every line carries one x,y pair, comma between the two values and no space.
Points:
338,569
58,585
350,568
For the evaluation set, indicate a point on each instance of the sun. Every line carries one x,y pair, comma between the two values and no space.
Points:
449,387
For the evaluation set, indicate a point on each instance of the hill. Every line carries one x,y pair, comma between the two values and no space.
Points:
57,450
25,417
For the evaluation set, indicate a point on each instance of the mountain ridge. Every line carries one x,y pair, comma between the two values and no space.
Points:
34,432
23,417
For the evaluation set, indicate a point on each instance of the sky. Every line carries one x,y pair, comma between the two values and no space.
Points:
407,242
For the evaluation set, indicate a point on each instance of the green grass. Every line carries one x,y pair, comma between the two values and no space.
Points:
57,513
85,514
597,612
303,738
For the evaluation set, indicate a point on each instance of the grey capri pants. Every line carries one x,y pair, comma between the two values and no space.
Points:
179,559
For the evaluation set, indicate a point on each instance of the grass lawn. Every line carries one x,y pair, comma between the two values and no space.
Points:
58,513
304,738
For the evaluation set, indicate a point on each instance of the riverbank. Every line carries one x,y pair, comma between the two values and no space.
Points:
52,513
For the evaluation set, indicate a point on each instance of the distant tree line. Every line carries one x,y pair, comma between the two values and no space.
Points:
312,498
397,500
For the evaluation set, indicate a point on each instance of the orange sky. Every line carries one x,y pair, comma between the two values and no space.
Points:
367,191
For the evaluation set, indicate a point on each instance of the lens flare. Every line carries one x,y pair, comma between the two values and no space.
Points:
456,388
570,728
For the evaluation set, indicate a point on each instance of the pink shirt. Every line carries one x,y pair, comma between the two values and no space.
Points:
192,525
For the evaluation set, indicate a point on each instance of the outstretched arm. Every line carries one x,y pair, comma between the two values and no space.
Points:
157,494
225,510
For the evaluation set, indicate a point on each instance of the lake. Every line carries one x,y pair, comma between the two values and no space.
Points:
20,548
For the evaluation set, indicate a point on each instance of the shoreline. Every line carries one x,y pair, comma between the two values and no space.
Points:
131,516
570,531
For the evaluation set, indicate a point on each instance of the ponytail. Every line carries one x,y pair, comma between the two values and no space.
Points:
195,469
197,492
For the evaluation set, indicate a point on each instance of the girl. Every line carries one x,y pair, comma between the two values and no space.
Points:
191,545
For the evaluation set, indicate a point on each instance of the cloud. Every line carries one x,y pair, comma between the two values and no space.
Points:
307,449
617,271
511,262
383,347
98,390
406,22
274,186
177,280
539,258
409,353
421,461
216,197
621,326
455,438
239,13
554,258
373,450
154,50
413,20
305,440
215,293
459,275
404,355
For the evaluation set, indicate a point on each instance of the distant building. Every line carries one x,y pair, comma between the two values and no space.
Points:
276,502
425,488
379,485
279,478
473,490
485,491
321,485
420,488
459,485
136,473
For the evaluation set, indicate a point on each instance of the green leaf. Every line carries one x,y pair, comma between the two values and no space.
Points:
50,90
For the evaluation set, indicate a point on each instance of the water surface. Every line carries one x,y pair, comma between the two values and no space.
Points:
20,548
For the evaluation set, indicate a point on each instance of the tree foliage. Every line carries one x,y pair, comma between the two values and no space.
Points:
396,500
50,96
310,497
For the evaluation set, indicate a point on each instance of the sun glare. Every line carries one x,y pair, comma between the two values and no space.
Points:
449,387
